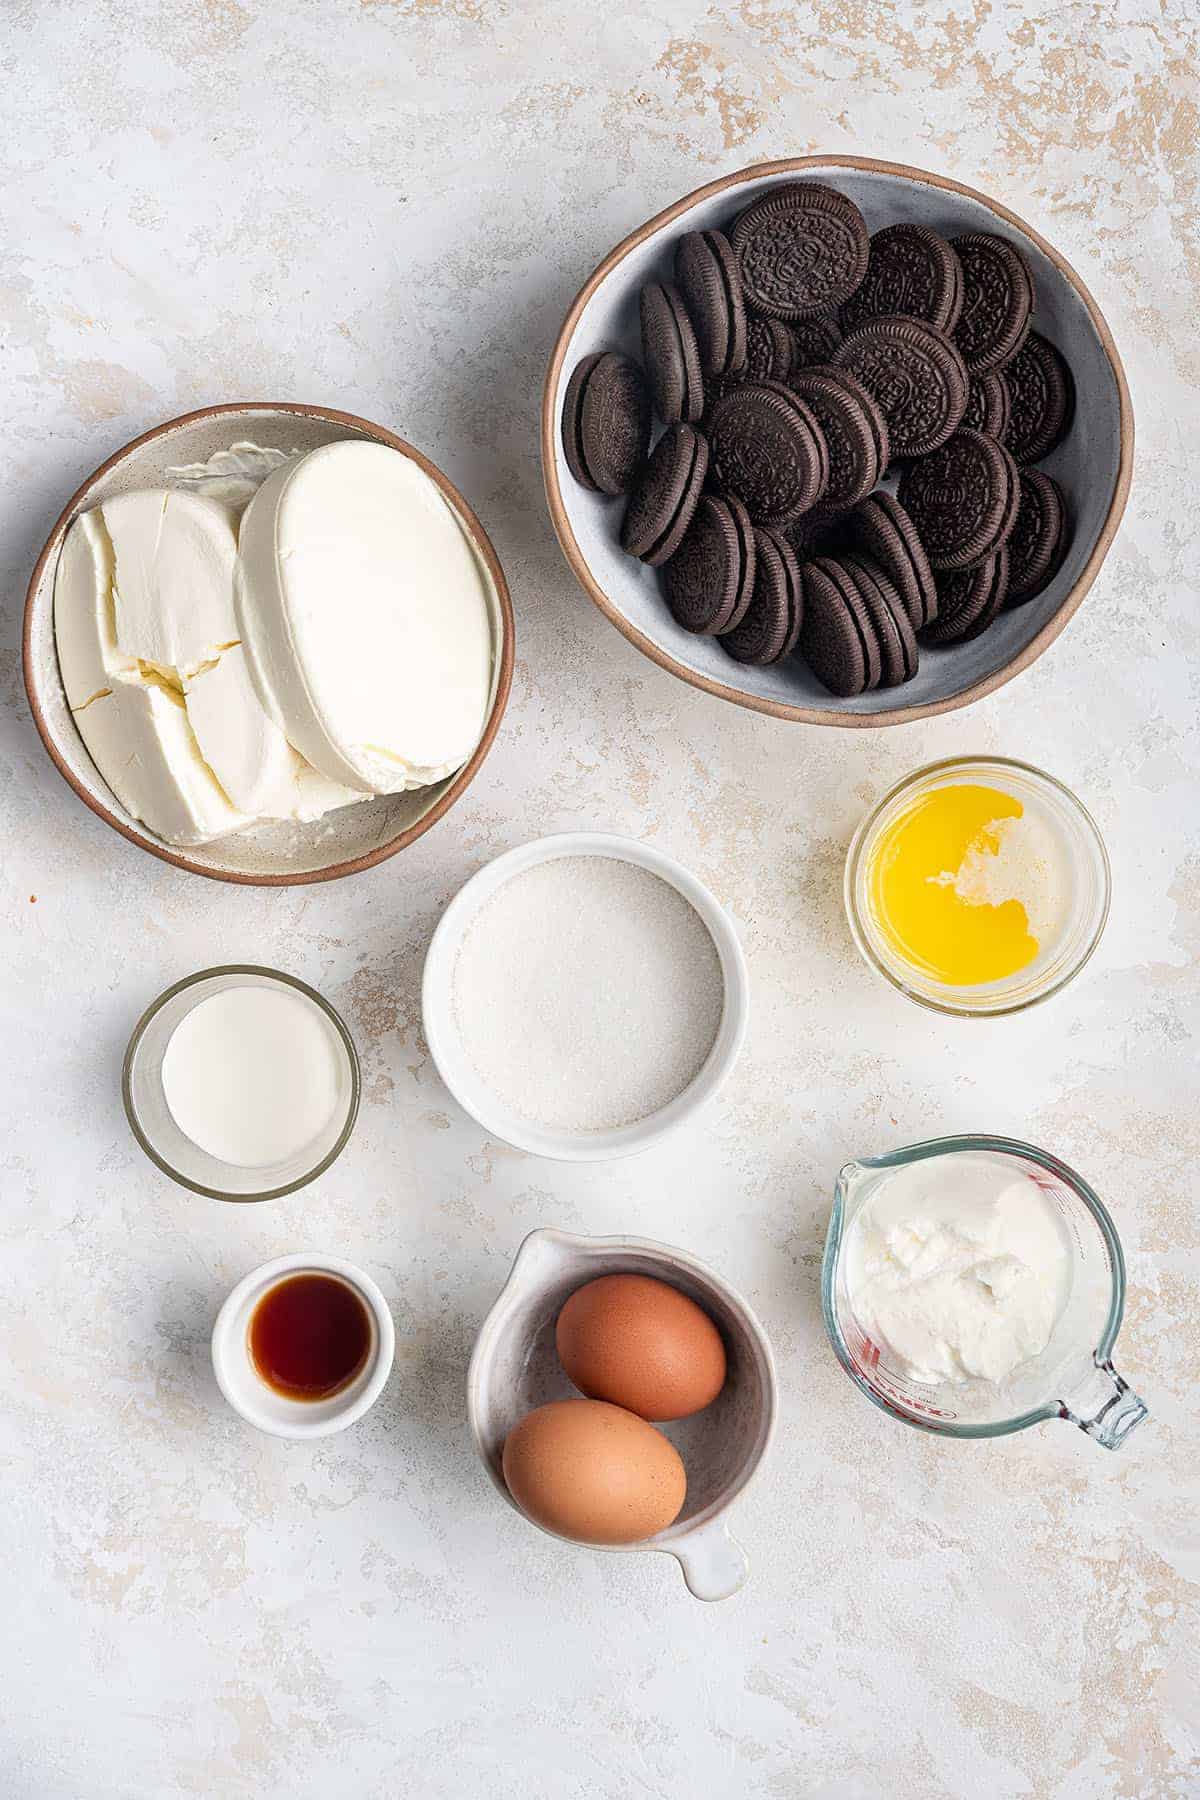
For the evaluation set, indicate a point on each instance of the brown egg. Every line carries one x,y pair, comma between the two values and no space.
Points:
641,1344
593,1472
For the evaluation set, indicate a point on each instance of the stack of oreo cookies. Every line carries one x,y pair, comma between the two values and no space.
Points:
794,361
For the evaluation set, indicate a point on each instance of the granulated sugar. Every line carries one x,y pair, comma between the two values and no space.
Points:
588,993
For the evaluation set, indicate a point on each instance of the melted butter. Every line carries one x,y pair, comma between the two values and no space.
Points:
938,890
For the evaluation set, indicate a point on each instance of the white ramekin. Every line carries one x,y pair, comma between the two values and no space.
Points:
248,1393
468,1086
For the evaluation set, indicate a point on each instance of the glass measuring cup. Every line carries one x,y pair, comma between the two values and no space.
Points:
1073,1378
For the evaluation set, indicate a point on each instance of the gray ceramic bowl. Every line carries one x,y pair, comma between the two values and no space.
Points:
1094,464
515,1368
276,854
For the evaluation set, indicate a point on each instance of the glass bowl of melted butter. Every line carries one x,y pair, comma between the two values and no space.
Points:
978,886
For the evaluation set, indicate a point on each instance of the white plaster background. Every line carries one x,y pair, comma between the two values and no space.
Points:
387,207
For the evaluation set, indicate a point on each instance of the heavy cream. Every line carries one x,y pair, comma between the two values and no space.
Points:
957,1267
254,1075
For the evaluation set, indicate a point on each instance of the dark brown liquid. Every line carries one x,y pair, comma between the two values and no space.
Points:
309,1336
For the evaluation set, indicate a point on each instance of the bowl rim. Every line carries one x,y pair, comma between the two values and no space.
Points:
779,709
458,783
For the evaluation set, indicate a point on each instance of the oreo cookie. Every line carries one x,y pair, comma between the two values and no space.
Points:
1043,400
914,373
997,301
795,587
1040,537
671,355
968,601
770,350
606,422
712,572
815,339
767,449
988,405
801,248
836,631
962,499
912,270
897,641
770,626
883,530
855,432
706,273
665,496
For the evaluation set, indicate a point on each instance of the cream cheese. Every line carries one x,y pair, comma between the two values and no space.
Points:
134,723
364,611
232,476
144,601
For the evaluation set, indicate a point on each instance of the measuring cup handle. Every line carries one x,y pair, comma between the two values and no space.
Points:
1106,1408
714,1564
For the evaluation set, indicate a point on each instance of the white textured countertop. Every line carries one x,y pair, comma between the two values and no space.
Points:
387,207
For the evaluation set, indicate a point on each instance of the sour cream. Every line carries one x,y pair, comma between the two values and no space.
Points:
957,1268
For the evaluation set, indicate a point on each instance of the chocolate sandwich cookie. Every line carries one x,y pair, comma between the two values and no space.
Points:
795,586
988,404
768,450
1043,400
770,624
850,587
770,350
914,373
836,638
665,495
815,339
897,639
801,248
671,355
912,270
606,422
855,432
997,301
711,575
1039,539
962,499
968,601
873,412
707,275
882,529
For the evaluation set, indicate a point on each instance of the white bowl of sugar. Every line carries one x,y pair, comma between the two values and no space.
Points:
583,995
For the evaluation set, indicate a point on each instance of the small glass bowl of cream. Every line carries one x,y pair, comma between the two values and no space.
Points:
977,886
241,1083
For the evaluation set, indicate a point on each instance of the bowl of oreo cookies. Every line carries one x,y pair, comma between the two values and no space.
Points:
838,440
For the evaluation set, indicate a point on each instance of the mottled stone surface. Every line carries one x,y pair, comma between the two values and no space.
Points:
387,207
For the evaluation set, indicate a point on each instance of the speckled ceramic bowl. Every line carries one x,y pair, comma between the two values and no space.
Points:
278,854
515,1368
1094,463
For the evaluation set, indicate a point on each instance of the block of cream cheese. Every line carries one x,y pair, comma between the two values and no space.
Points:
364,612
144,601
135,725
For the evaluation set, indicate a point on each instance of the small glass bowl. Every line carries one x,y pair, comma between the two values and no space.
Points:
1084,856
175,1153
